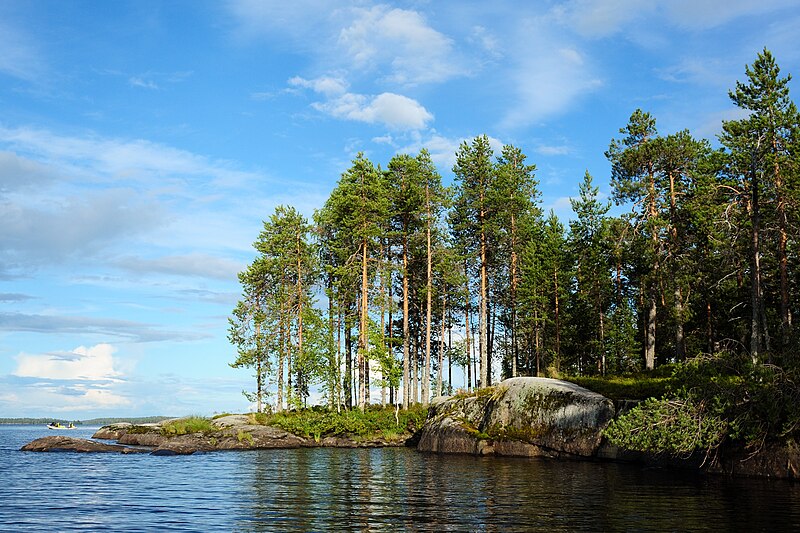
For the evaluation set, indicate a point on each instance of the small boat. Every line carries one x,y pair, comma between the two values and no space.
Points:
58,425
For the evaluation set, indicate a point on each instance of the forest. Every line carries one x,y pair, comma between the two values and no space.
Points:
399,279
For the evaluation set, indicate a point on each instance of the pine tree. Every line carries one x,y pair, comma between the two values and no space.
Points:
474,175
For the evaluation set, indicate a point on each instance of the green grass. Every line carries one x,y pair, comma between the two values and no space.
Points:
318,423
628,387
185,426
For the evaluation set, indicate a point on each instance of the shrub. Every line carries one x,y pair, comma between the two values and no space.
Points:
373,422
184,426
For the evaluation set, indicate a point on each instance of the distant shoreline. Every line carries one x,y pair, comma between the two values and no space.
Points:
90,422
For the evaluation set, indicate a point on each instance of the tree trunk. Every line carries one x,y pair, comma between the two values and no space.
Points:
441,347
467,327
755,270
363,341
650,333
557,322
484,305
348,348
650,326
426,377
406,336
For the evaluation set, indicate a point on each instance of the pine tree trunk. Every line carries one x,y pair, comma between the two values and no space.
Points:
441,348
259,372
467,327
514,355
484,314
363,342
650,333
680,350
426,377
406,336
557,323
348,348
650,326
755,271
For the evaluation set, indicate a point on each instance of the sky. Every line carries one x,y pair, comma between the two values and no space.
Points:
142,144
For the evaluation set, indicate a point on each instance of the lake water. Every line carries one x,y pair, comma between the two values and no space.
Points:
368,490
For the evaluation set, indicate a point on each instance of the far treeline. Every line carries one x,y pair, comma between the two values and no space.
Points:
398,278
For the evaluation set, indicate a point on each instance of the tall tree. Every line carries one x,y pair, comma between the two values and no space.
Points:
474,175
633,178
407,200
516,196
760,154
589,240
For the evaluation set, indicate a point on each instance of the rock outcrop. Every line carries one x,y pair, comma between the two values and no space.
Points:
58,443
527,417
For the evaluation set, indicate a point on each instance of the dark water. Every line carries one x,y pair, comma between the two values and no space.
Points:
368,490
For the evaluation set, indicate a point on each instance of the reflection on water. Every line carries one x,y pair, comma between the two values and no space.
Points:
370,490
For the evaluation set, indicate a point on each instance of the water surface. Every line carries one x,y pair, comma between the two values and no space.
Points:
368,490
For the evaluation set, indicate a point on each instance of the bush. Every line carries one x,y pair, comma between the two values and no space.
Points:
629,387
374,422
675,427
713,399
185,426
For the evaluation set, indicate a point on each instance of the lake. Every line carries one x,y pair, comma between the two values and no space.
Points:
368,490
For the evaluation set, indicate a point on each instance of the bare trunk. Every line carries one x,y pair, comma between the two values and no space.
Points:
406,336
650,327
467,327
426,377
557,322
755,271
441,347
484,316
363,341
650,335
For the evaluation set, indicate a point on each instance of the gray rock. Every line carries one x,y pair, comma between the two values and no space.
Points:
71,444
522,417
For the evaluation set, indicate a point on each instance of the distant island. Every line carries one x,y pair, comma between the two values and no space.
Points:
90,422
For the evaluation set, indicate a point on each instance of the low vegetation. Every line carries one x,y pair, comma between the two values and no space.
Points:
713,401
373,422
185,426
639,386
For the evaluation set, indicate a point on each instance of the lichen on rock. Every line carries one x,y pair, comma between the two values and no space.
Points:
520,416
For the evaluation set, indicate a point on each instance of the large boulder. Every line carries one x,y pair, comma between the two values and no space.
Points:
526,417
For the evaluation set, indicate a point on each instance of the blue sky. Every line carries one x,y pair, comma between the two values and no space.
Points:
142,144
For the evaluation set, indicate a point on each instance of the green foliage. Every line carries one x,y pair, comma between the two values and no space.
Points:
627,387
373,422
675,427
244,436
185,426
714,399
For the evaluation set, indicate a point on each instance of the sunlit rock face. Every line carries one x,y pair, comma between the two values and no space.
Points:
522,417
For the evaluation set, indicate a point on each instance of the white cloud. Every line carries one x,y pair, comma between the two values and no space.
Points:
600,18
17,173
399,44
327,85
698,15
91,364
553,150
136,81
393,110
548,80
198,264
402,41
20,57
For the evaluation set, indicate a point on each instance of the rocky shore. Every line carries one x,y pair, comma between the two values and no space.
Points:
232,432
522,417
